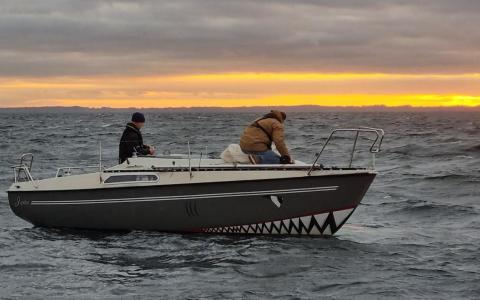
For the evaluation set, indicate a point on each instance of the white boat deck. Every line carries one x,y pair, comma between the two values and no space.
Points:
181,161
175,170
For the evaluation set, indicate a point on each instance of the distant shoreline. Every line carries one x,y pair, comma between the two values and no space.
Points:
299,108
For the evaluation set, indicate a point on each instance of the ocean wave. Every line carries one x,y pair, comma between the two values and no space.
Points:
475,148
463,177
424,133
436,209
26,267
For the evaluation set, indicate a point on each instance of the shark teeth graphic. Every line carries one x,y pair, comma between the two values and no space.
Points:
318,224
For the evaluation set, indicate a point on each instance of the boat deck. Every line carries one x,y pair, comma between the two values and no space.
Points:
182,164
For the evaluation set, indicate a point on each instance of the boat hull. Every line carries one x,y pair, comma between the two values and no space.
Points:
310,205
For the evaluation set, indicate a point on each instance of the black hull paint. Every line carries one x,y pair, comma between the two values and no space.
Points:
222,207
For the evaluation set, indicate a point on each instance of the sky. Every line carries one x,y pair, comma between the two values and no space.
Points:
239,53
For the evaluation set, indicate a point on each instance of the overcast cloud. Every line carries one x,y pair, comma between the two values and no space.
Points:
64,38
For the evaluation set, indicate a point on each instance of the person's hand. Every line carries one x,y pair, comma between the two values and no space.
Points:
290,160
286,159
151,149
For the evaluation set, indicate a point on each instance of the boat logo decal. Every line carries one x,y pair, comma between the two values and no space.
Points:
191,208
277,200
19,202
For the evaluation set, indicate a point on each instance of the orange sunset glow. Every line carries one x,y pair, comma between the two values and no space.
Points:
247,89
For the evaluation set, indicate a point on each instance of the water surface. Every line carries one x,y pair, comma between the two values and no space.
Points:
416,235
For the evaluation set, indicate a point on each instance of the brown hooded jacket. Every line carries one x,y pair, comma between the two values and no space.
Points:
259,135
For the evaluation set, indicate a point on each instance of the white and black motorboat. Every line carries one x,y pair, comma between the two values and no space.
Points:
183,194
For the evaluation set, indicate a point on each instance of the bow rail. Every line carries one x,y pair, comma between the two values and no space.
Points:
375,147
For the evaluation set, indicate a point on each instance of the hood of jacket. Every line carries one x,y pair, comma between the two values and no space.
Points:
276,114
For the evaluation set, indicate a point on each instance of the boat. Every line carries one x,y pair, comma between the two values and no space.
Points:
187,194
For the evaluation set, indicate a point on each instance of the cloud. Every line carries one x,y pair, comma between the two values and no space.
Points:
126,38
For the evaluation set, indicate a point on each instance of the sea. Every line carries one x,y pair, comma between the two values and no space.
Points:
416,234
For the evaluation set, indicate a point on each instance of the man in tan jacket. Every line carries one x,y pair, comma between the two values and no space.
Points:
258,137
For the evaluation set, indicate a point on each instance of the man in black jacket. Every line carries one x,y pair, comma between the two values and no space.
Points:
132,140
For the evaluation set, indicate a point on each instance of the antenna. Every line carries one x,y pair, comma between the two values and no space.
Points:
100,159
100,156
189,160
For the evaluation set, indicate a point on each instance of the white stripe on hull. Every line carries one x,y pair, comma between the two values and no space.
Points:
189,197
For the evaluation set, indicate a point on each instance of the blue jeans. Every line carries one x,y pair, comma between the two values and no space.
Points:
267,157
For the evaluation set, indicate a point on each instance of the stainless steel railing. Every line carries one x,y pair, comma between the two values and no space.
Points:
375,147
21,172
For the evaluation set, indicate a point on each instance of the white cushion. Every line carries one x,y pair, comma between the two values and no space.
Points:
234,154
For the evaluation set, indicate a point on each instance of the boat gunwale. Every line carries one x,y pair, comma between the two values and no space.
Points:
114,187
236,168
